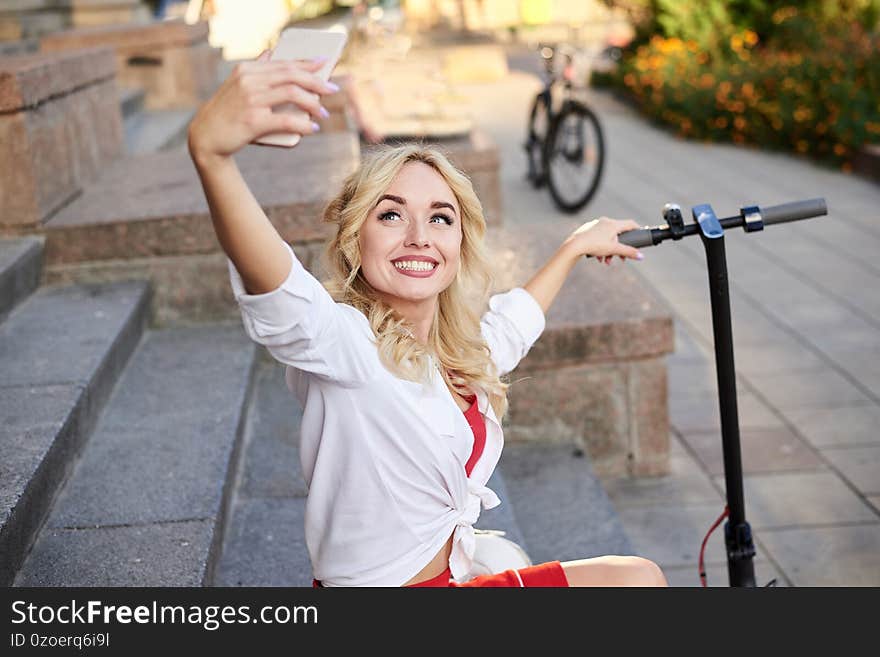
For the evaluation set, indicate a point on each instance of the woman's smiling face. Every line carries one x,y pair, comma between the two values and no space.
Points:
410,242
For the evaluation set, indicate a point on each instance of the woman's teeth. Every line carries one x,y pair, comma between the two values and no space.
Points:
415,265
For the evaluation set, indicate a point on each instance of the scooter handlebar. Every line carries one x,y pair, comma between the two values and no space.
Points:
638,237
777,214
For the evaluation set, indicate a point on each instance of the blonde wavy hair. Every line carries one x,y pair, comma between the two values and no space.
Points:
454,340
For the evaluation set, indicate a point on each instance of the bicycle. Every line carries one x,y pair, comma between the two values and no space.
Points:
737,532
565,148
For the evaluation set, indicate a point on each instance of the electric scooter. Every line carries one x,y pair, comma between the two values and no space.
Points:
737,532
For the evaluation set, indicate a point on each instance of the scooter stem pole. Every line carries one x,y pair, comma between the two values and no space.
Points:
738,535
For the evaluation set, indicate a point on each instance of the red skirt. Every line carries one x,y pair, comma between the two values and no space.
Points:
544,574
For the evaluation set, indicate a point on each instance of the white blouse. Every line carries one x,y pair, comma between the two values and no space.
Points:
383,458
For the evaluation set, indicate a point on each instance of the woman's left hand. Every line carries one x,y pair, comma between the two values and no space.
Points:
599,238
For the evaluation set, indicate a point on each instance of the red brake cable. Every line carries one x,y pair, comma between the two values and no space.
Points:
703,546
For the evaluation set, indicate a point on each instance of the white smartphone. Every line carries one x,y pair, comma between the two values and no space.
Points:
301,43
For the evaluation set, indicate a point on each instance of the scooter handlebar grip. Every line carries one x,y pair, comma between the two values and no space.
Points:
777,214
638,237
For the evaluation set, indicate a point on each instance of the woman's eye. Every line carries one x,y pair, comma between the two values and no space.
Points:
443,217
386,215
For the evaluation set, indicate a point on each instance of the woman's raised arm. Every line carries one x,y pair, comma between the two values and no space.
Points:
596,238
239,112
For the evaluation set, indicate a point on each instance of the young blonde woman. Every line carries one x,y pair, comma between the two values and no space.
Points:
401,379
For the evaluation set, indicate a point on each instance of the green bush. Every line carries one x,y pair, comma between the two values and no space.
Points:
808,85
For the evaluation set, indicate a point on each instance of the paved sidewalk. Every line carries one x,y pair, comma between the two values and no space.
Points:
806,322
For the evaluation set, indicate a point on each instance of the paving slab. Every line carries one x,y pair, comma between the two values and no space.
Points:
837,426
698,414
685,484
762,450
777,356
801,498
671,535
717,575
688,348
155,554
827,556
860,466
792,390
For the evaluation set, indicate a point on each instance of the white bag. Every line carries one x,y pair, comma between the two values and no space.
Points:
494,554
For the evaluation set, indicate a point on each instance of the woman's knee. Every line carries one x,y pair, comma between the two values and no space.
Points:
648,572
614,570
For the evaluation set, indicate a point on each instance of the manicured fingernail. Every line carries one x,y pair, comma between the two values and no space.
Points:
332,86
315,127
640,256
324,112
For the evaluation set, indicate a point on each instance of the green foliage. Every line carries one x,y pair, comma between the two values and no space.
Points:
804,76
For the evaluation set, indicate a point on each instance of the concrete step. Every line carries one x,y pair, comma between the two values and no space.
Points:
131,101
265,536
61,351
151,131
146,503
559,503
21,262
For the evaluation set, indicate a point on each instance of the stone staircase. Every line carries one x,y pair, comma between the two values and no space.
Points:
143,457
147,442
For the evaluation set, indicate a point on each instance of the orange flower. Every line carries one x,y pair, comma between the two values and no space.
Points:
802,114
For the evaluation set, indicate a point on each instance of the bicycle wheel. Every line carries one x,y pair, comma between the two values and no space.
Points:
574,155
537,133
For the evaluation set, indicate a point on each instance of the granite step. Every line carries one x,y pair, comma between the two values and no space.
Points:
147,217
61,351
559,503
146,502
151,131
131,100
21,262
265,543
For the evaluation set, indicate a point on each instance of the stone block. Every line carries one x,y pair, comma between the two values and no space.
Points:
103,12
154,205
61,124
171,60
597,375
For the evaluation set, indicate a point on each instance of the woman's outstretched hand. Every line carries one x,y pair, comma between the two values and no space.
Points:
599,238
240,111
